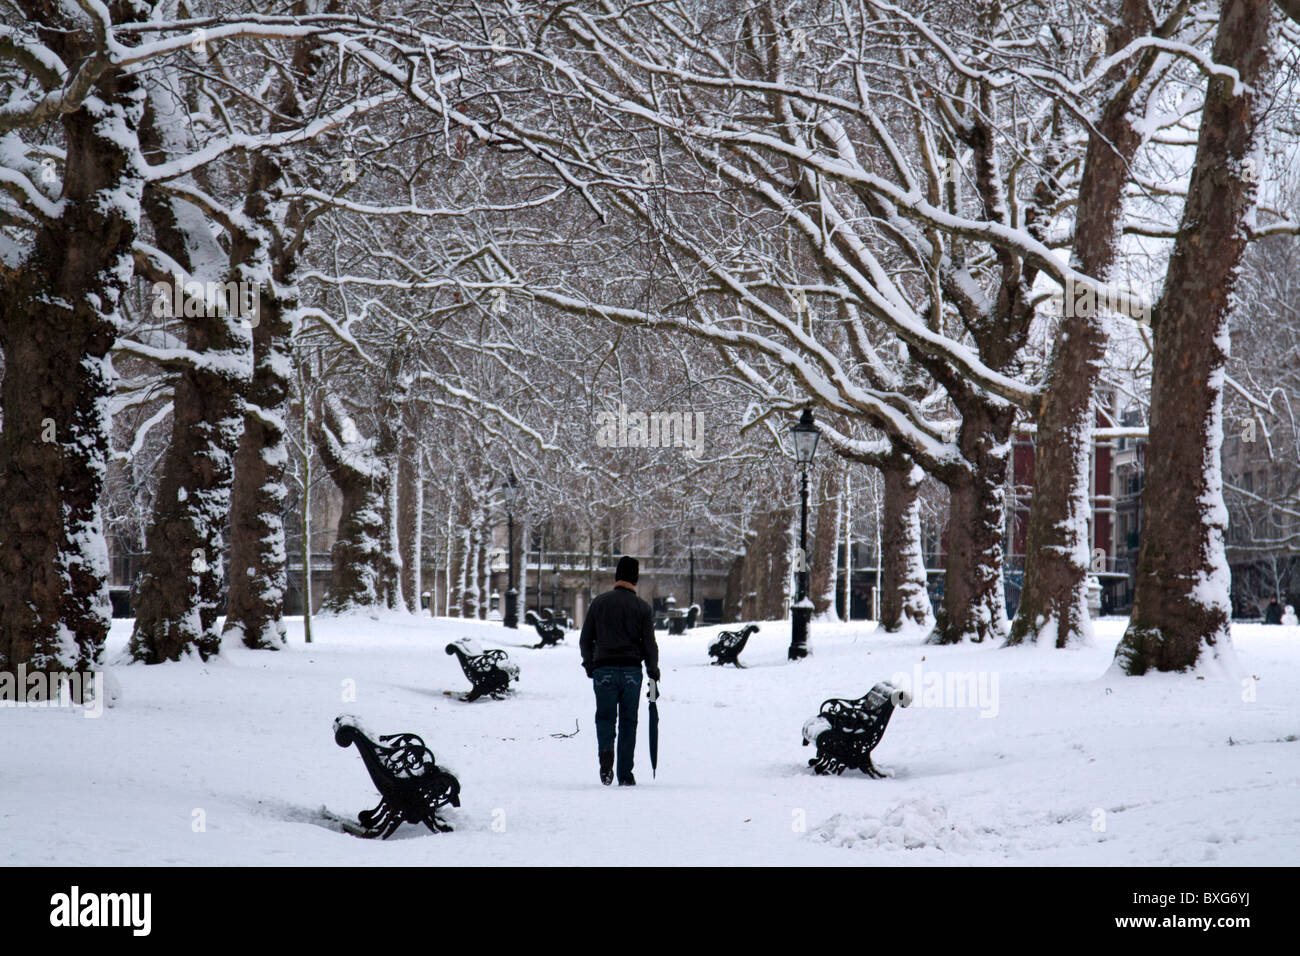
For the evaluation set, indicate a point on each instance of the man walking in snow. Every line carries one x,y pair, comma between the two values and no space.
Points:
618,633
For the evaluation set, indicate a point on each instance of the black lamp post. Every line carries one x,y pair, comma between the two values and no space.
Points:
511,616
692,565
806,436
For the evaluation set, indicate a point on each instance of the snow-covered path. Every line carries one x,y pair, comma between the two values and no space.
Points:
1177,770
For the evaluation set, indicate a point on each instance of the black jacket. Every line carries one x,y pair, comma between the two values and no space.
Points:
619,631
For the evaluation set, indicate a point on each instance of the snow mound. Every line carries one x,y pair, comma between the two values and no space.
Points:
911,825
112,688
470,646
814,727
351,720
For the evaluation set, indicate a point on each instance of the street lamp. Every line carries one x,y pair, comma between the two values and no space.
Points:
806,436
511,616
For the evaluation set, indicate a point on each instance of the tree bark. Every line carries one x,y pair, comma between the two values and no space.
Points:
903,595
358,556
457,551
766,573
1181,604
823,565
474,567
768,570
974,605
1054,600
59,316
392,569
469,571
305,501
390,419
258,571
410,505
178,596
484,567
417,535
522,533
735,590
260,255
749,609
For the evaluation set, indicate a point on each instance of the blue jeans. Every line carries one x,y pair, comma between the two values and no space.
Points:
618,693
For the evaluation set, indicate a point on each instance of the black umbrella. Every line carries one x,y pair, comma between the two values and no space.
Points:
652,695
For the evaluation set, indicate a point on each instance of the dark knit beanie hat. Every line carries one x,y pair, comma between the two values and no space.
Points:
628,569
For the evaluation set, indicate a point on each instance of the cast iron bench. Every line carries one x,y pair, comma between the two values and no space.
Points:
412,787
489,671
726,649
548,628
846,731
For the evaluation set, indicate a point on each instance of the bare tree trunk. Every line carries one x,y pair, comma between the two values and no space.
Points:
258,575
974,605
178,596
410,504
1181,606
484,567
759,585
848,542
903,596
306,538
823,563
734,604
59,317
775,584
305,440
754,570
451,563
258,570
417,535
393,565
473,565
473,549
391,415
366,557
459,529
756,582
523,566
354,581
357,557
1054,596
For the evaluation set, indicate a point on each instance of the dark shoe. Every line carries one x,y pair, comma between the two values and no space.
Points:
628,781
607,767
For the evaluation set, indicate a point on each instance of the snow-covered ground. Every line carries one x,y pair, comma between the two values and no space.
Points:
1067,765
